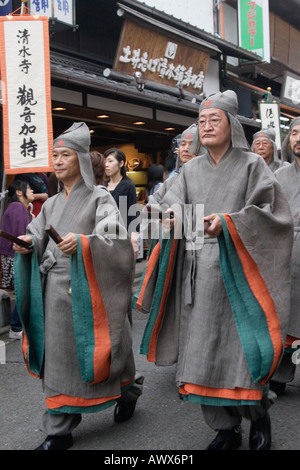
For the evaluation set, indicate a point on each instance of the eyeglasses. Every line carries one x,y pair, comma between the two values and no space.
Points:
213,122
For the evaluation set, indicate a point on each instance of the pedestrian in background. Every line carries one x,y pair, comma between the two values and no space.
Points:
123,191
14,221
155,177
98,163
38,183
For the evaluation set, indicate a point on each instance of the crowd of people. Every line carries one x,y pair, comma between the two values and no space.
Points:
220,283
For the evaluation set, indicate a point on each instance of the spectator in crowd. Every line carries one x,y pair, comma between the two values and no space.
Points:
123,191
14,221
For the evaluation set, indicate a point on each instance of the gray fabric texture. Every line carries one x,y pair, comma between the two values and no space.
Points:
289,179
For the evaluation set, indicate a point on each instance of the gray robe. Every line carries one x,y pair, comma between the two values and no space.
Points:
289,179
95,215
203,337
159,194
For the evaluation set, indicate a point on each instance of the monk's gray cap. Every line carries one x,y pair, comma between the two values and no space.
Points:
285,144
227,101
192,134
78,138
295,122
267,133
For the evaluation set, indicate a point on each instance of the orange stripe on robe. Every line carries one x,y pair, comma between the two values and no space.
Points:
260,291
61,400
168,278
229,394
149,270
102,351
24,351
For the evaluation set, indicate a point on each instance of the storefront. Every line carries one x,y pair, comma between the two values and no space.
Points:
136,76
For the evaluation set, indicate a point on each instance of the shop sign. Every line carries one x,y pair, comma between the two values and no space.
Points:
254,29
5,7
26,100
60,10
291,88
160,58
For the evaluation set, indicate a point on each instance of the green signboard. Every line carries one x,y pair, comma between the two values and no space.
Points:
254,27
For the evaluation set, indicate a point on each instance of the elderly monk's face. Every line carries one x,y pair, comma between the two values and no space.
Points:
184,147
214,128
263,147
66,164
295,140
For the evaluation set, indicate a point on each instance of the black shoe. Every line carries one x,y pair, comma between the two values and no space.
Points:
230,439
260,434
57,443
277,387
124,410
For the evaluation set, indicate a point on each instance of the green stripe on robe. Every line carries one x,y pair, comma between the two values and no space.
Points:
249,317
29,302
82,315
213,401
136,295
166,245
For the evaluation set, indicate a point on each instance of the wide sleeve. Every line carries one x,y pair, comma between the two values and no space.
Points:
265,221
101,278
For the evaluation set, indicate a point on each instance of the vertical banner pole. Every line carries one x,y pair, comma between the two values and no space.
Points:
23,6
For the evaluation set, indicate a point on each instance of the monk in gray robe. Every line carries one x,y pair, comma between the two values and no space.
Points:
150,227
227,337
264,144
73,295
289,179
184,156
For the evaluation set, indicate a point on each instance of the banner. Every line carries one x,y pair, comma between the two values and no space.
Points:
254,28
5,7
269,113
26,94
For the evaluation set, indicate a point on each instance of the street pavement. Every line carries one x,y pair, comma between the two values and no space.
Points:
161,422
